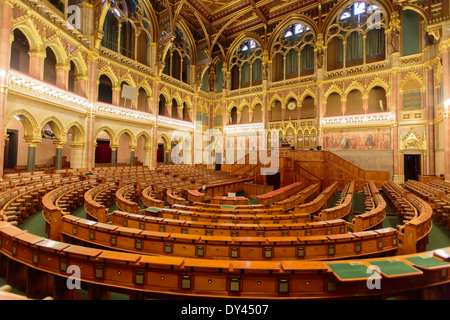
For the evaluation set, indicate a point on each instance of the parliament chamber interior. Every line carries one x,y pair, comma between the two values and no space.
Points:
225,149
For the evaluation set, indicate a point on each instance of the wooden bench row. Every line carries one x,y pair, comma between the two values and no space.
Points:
146,276
320,202
373,218
98,198
173,197
220,216
149,199
222,247
127,198
301,197
413,236
343,207
280,194
436,197
210,228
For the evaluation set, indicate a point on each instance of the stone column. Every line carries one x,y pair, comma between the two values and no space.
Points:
31,157
394,107
366,103
62,76
148,157
283,113
132,153
430,124
113,155
344,106
92,96
36,64
76,155
150,104
58,156
250,116
116,96
81,85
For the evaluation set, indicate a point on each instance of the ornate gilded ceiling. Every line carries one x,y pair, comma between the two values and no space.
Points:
214,22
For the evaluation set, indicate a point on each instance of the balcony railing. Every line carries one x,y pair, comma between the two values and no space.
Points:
23,84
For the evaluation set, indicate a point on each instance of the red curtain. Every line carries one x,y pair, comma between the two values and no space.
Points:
102,152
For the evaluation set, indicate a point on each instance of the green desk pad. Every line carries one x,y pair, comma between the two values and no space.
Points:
394,267
227,207
351,270
153,209
428,262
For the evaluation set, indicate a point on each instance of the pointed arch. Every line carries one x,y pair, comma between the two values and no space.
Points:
80,63
355,85
333,89
31,33
290,96
56,126
131,137
30,125
57,47
298,18
78,130
307,93
244,36
107,71
147,138
109,132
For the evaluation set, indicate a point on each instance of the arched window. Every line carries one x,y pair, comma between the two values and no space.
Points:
105,89
257,113
356,36
411,32
142,100
233,115
293,52
334,106
308,108
246,65
72,75
245,115
178,58
19,52
126,30
50,66
110,31
186,116
377,100
174,111
219,73
354,103
162,105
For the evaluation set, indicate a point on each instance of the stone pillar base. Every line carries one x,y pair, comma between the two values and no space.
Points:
399,179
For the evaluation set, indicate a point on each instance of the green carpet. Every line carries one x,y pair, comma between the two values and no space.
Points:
335,199
358,203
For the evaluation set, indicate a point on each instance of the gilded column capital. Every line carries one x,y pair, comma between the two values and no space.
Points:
77,145
62,66
32,143
36,54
